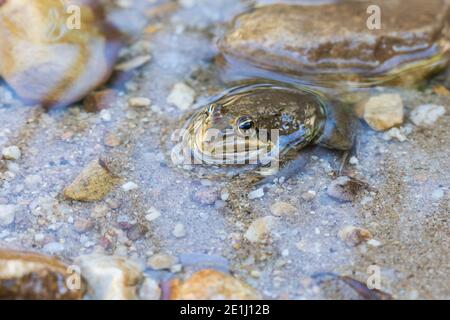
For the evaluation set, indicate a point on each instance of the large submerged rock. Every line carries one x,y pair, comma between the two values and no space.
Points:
54,52
335,42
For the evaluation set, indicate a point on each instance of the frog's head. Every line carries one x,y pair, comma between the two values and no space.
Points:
252,125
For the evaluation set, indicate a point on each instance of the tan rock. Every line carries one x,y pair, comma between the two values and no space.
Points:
47,57
384,111
110,277
212,285
93,183
353,236
282,208
259,229
25,275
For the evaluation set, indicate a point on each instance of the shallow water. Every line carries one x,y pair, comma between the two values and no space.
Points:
406,211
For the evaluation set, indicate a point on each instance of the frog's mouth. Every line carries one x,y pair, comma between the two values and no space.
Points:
211,146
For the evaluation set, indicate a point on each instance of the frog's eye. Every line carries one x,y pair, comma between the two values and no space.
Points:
245,123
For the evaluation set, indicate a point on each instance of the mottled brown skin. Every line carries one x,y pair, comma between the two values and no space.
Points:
294,39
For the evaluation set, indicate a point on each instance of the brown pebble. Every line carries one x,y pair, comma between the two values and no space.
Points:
111,140
345,188
99,100
353,236
83,225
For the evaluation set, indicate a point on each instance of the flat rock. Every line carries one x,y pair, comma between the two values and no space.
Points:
92,184
384,111
212,285
295,39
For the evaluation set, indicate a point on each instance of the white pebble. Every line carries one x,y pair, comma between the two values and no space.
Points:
153,214
427,114
11,153
129,186
105,115
374,243
7,214
255,194
182,96
139,102
179,231
259,229
354,160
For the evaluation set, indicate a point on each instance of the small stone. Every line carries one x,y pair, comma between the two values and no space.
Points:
161,261
345,188
383,111
133,63
259,229
153,214
83,225
394,133
212,285
53,248
7,214
139,102
150,290
282,208
110,277
426,115
353,160
92,184
100,100
111,140
182,96
309,195
255,194
206,196
225,195
374,243
353,236
11,153
129,186
179,231
105,115
136,232
33,181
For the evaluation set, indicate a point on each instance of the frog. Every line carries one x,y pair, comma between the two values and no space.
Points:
409,44
264,124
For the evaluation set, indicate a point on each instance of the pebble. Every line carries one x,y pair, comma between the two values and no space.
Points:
149,290
282,208
82,225
353,160
11,153
92,184
7,214
111,140
105,115
33,181
345,188
129,186
353,236
426,115
374,243
394,133
255,194
161,261
100,100
259,229
182,96
210,284
308,195
206,196
139,102
133,63
179,231
384,111
152,214
110,277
